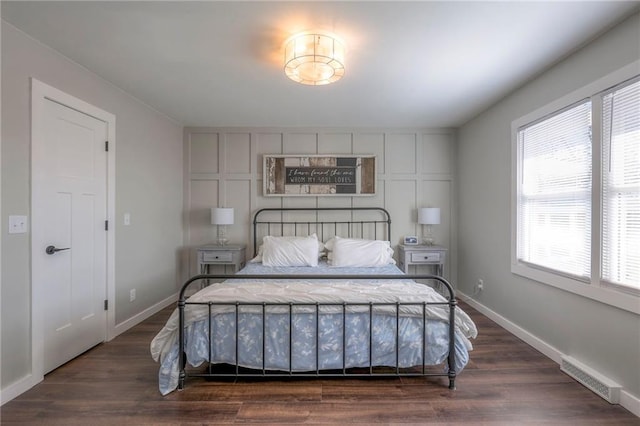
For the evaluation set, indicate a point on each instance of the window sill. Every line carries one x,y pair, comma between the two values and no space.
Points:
609,296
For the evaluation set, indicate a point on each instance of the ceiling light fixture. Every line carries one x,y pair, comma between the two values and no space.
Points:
314,58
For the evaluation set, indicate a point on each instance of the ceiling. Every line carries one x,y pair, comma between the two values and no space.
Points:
409,64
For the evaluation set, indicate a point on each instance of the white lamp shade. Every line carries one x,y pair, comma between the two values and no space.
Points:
222,216
429,216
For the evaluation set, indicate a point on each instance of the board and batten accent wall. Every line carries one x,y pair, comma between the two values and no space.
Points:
223,167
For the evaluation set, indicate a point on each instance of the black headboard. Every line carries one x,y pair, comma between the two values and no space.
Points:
349,222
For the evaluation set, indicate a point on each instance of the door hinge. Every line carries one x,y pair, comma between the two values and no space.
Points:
106,225
106,304
106,146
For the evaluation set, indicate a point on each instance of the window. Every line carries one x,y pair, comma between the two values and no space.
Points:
554,201
576,191
621,186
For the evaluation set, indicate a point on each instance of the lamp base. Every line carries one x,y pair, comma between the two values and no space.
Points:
222,235
427,238
428,241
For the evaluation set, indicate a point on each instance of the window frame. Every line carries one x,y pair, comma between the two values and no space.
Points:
585,193
594,288
604,149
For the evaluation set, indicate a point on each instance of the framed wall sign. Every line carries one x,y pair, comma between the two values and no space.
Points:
318,175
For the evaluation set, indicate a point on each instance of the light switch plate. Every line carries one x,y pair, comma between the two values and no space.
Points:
17,224
127,219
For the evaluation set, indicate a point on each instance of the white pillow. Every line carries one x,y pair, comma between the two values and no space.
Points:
360,253
258,257
290,251
329,244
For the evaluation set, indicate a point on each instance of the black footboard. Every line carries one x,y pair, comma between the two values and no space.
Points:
396,371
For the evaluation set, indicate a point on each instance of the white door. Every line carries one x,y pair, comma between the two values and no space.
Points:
69,236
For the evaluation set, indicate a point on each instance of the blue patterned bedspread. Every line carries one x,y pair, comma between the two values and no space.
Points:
411,350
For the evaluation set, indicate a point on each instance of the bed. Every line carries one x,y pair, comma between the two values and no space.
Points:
295,311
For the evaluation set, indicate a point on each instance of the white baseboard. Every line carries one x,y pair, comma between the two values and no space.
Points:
138,318
17,388
523,334
627,400
630,402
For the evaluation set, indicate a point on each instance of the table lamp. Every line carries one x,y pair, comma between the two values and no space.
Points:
428,216
222,217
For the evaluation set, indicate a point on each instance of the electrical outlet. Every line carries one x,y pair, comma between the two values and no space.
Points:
132,295
480,284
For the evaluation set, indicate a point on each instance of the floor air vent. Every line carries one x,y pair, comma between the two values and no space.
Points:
595,381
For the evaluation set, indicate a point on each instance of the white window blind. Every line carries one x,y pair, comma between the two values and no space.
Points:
554,192
621,186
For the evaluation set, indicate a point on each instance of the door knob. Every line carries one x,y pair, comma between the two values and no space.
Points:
53,249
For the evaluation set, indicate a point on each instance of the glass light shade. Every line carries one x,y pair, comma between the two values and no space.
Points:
314,58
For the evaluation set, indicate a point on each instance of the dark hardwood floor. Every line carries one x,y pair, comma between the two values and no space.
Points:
507,382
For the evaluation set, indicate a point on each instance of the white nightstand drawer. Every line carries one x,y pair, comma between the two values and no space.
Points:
425,257
217,257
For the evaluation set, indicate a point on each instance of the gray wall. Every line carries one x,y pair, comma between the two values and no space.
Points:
601,336
148,185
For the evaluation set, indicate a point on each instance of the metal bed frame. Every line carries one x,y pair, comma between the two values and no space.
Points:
324,228
319,226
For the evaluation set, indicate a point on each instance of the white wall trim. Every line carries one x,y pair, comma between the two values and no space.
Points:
27,382
536,342
138,318
39,93
594,290
627,400
111,234
17,388
630,402
1,392
619,299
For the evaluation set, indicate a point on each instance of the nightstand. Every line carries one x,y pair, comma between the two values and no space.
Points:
227,255
422,255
